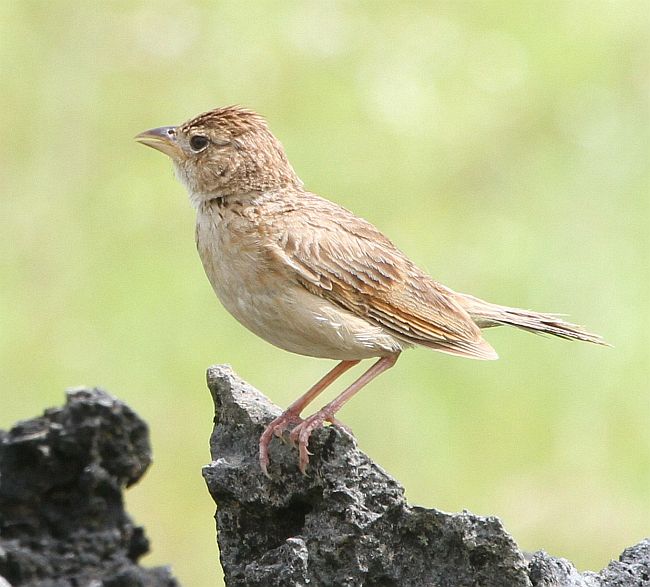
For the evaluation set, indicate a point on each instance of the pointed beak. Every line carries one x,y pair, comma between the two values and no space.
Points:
162,139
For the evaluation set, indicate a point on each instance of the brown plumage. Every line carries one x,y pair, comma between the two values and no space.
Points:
310,277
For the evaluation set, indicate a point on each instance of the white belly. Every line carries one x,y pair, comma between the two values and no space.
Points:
273,306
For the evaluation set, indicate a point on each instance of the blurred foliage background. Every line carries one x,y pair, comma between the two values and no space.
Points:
503,145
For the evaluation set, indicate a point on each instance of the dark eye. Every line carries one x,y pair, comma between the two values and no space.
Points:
198,142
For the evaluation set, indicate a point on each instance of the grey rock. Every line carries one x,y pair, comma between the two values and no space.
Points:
62,518
632,569
548,571
346,523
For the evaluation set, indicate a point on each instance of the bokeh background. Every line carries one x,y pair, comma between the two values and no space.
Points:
503,145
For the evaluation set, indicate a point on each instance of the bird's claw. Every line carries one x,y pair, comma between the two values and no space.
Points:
299,435
302,432
275,428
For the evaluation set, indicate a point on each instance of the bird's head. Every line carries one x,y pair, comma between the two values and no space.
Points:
226,152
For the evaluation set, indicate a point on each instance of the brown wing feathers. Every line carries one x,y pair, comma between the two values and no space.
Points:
360,270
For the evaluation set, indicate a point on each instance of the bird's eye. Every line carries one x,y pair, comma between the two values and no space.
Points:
198,143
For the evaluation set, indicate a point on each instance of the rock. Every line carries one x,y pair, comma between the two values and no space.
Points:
347,523
632,569
62,518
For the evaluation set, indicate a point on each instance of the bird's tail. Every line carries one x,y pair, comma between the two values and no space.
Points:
487,315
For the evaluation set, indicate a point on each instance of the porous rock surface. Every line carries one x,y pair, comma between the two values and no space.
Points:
62,518
347,523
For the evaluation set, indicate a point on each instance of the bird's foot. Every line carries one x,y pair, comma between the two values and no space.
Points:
301,433
275,428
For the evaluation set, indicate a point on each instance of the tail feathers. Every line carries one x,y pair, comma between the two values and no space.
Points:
487,315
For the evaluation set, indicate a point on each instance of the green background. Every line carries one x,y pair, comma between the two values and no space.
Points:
502,145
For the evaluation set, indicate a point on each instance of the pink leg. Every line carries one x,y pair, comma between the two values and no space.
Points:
292,413
303,430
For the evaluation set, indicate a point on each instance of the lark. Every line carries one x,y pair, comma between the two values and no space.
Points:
309,276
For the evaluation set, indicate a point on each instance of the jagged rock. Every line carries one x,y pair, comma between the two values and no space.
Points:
347,523
62,519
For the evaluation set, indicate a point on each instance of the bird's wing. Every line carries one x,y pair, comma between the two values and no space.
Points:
348,262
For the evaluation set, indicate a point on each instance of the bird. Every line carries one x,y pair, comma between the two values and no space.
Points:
309,276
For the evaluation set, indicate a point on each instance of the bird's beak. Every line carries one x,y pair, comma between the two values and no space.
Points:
162,139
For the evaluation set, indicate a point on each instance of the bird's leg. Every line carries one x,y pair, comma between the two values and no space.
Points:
303,430
292,413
